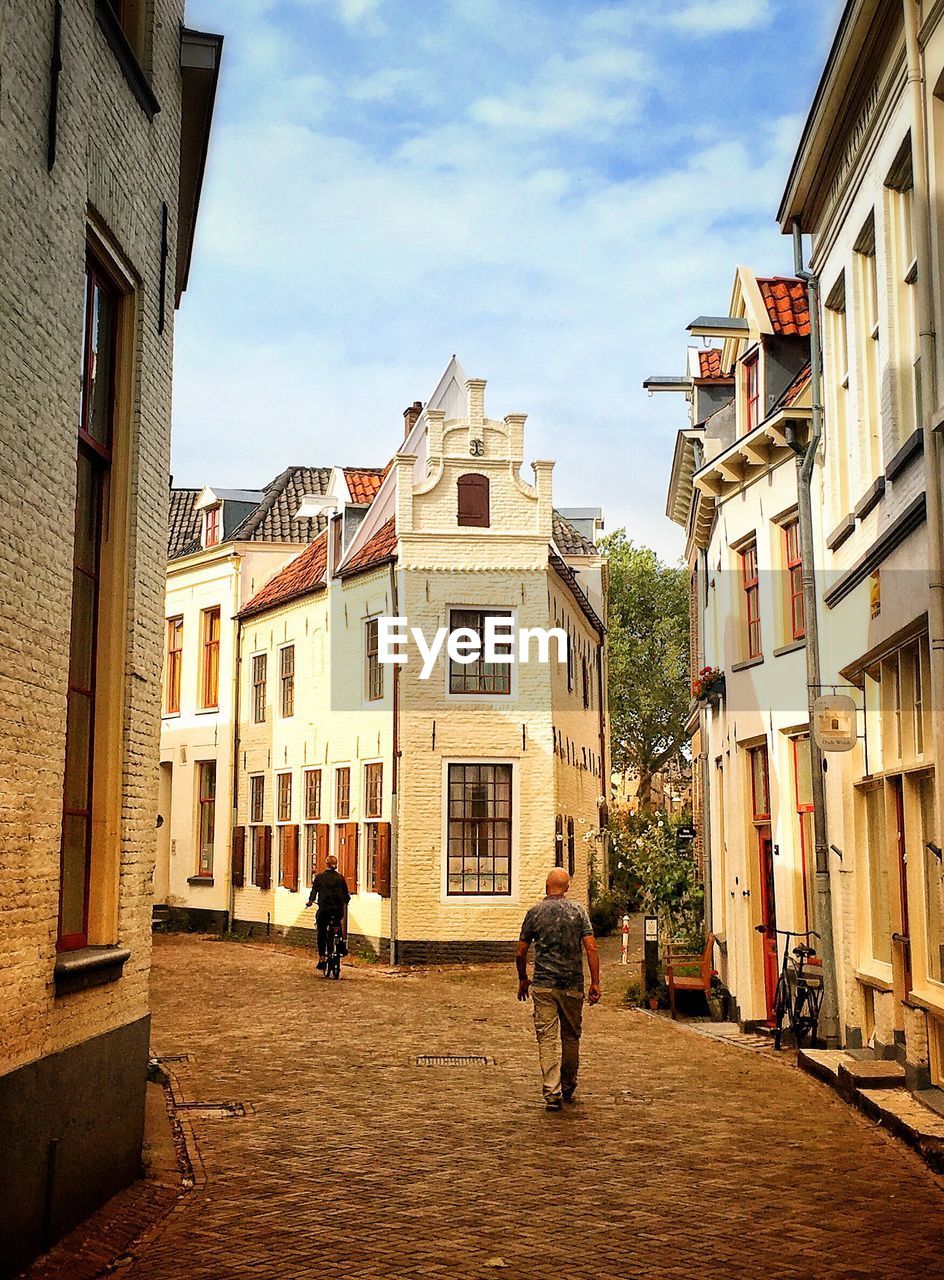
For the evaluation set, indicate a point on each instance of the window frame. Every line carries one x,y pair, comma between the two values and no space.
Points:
750,587
758,816
256,792
212,526
752,413
373,667
793,561
210,656
463,899
456,670
342,815
173,663
373,769
287,681
259,664
206,805
283,812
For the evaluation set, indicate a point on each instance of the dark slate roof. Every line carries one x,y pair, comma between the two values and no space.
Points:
183,531
269,520
570,540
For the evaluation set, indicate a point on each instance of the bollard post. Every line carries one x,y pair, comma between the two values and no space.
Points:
624,948
651,961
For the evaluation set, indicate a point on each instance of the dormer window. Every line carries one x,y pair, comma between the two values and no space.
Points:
751,393
212,524
473,501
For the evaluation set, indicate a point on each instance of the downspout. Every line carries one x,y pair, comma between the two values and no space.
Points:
806,461
604,808
701,585
395,777
230,887
933,442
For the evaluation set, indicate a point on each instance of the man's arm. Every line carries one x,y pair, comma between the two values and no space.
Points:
593,959
521,963
314,892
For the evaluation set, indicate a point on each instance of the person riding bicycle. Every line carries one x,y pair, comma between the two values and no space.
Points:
330,889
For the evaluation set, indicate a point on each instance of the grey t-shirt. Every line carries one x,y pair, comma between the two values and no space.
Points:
557,927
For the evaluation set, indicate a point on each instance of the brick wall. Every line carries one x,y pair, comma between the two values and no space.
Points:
112,161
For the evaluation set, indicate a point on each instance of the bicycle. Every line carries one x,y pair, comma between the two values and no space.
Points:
799,993
336,948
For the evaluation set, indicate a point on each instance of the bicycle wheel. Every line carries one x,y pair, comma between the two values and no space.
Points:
781,1009
803,1022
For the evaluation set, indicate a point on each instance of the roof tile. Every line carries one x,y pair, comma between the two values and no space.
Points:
380,549
709,364
787,303
300,577
568,539
364,482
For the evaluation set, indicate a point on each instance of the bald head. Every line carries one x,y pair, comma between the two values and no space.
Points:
558,882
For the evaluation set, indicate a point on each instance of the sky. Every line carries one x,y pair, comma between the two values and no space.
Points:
552,191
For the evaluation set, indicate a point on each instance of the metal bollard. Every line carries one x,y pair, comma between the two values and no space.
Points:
624,948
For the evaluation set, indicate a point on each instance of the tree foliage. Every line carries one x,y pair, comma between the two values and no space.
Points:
650,674
653,864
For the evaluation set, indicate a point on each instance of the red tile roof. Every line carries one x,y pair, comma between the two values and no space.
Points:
364,482
787,304
797,387
301,577
709,364
380,549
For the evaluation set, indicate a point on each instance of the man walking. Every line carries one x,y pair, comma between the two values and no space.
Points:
333,895
560,931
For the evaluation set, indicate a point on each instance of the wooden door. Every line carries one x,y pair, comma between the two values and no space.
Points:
768,910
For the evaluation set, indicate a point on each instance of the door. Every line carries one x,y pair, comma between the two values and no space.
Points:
164,806
903,939
768,911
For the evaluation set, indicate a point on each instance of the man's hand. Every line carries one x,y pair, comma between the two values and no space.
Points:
593,995
524,985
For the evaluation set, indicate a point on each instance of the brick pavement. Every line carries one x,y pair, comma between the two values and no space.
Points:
683,1158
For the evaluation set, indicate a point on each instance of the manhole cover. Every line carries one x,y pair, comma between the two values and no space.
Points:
453,1060
211,1109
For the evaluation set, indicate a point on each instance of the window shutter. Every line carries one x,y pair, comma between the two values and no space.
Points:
239,857
264,880
350,856
290,859
381,883
473,501
322,840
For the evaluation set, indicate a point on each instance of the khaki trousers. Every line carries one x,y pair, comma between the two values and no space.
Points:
558,1016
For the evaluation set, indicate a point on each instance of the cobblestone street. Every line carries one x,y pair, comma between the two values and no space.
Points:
683,1157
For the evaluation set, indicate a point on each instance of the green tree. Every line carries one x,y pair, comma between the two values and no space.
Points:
654,865
650,677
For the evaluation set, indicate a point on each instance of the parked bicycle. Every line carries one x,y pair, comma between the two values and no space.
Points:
799,993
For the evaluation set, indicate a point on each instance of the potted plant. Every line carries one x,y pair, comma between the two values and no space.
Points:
708,685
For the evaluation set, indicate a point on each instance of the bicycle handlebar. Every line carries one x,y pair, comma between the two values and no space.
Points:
786,933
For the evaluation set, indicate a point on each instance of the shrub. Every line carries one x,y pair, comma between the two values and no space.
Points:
606,911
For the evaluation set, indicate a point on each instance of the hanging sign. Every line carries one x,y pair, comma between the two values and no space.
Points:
834,722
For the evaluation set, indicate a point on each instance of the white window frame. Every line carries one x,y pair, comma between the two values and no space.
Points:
483,699
465,902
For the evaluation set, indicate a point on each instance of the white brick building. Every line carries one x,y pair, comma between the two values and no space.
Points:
104,117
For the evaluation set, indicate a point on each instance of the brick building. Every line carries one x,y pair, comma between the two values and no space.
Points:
421,787
104,117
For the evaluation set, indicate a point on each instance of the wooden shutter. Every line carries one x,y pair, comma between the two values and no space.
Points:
239,857
290,859
264,864
381,883
322,841
473,501
347,853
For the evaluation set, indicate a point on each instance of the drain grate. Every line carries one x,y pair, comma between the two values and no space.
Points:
173,1057
453,1060
221,1109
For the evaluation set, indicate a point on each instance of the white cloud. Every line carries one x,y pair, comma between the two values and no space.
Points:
719,17
354,12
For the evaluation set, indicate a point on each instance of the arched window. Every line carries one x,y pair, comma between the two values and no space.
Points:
473,501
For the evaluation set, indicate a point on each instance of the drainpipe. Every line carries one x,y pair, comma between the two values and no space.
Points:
933,443
231,888
395,778
701,583
806,460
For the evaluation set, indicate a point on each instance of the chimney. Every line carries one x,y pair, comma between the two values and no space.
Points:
410,416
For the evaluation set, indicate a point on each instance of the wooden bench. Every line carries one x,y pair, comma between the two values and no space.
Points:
687,972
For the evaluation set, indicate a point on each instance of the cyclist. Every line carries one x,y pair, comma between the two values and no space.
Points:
330,889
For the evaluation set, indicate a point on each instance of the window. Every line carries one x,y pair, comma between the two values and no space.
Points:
259,663
795,602
373,790
377,839
874,803
211,534
837,353
478,676
570,661
256,797
172,665
287,680
479,835
803,792
317,835
283,810
262,857
131,18
933,878
585,678
571,848
342,792
375,671
86,673
206,803
312,795
900,183
751,393
867,282
751,588
760,788
210,676
917,691
473,501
